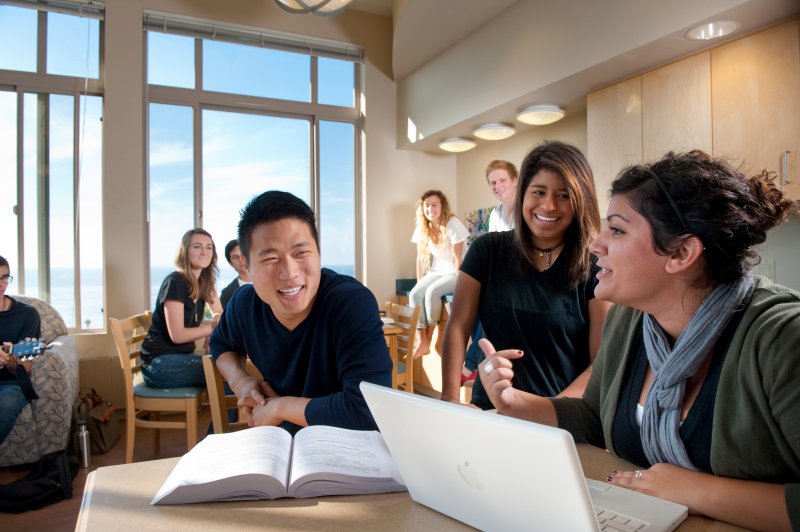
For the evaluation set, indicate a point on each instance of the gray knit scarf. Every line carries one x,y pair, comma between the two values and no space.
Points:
672,366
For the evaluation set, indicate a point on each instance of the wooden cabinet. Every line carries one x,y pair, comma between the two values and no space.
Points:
614,132
740,100
756,102
676,107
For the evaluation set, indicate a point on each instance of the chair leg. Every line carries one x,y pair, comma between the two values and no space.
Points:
156,433
130,434
191,421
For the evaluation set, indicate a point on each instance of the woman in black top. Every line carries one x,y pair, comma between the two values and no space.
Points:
532,287
168,357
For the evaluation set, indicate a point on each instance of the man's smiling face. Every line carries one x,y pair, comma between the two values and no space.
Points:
284,266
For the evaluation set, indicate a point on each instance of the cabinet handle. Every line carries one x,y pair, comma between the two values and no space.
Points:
786,179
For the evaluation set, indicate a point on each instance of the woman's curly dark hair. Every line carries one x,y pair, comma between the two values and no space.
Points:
692,193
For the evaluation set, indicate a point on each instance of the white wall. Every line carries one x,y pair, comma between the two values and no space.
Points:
781,254
473,191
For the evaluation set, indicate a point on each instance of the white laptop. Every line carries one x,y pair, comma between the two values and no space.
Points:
498,473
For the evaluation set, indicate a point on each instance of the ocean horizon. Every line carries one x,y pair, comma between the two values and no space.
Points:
92,308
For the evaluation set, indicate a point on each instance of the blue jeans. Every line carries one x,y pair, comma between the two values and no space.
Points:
12,401
173,371
474,352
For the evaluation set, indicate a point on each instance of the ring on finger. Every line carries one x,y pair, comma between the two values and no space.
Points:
638,473
488,367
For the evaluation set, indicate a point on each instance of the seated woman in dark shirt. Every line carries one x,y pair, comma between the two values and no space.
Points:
168,350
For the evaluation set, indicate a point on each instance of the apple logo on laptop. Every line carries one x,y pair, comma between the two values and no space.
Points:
469,475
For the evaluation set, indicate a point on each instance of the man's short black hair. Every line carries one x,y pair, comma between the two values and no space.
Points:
272,206
229,248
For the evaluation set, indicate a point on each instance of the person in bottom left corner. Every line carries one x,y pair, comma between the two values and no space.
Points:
168,349
17,321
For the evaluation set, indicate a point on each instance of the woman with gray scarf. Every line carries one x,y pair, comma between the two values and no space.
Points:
697,380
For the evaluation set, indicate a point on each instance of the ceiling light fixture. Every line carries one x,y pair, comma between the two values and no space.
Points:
494,131
457,144
324,8
540,115
712,30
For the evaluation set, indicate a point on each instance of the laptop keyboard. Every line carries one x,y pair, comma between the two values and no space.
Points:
616,522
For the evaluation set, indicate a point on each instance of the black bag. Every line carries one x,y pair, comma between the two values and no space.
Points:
101,421
50,481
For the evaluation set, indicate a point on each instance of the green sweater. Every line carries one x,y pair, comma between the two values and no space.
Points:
756,426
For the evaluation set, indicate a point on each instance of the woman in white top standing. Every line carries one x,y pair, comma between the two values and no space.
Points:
439,237
502,178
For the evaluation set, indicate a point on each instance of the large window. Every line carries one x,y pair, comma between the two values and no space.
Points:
50,157
234,113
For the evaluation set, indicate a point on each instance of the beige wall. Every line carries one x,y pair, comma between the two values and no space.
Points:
392,178
474,193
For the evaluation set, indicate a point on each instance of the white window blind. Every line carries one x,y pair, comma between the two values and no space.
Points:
203,29
81,8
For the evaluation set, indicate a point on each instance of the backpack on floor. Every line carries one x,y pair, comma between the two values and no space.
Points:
50,481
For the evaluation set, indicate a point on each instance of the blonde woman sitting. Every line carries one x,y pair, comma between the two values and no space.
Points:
439,237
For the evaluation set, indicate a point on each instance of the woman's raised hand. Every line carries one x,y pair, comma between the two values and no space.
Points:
496,374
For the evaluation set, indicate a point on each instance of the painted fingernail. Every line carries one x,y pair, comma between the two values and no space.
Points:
614,473
609,478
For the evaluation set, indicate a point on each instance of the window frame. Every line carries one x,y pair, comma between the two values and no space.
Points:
42,83
200,100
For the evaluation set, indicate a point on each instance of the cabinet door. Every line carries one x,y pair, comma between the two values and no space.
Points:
614,133
676,107
756,101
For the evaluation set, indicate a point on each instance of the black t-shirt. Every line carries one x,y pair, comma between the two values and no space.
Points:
17,323
536,312
157,342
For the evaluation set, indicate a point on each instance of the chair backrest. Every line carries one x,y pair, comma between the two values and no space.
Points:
52,323
128,335
218,402
405,318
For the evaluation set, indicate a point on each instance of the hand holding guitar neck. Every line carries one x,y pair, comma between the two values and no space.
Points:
27,349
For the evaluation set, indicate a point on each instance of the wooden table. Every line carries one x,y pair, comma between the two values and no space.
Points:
117,498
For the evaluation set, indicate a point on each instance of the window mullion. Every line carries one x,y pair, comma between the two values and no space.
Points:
76,179
43,193
41,43
20,208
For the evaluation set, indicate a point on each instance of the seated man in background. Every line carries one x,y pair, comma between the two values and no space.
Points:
313,334
233,255
17,322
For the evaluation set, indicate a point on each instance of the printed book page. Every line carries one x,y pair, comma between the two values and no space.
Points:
257,463
248,464
335,461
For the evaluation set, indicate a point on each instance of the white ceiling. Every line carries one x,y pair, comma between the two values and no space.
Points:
595,45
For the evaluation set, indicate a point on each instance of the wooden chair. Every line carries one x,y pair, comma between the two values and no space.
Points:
406,319
218,402
143,403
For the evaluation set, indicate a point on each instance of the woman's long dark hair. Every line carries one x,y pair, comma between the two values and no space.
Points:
568,162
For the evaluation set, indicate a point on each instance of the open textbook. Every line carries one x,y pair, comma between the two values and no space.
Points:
266,463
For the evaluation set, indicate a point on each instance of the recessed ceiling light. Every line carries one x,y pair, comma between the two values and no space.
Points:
457,144
540,115
712,30
494,131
